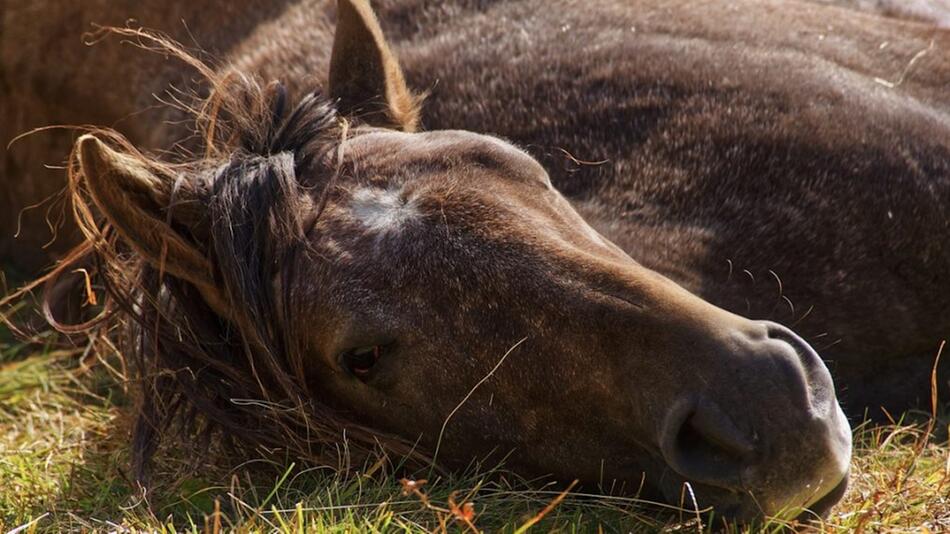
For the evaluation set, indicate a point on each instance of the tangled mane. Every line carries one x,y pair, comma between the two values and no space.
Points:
201,374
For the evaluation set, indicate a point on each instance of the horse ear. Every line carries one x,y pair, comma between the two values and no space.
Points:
365,77
135,200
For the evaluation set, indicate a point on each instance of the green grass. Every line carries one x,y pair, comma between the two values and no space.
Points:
64,423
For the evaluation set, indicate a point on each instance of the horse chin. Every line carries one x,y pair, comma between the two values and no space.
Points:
723,506
822,507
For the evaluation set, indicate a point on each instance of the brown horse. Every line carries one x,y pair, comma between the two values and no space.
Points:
781,160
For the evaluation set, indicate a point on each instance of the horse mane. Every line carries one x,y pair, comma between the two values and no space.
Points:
199,374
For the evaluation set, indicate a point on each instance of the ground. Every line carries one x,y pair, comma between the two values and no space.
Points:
64,419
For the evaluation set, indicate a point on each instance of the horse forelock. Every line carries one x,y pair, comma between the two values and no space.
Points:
257,211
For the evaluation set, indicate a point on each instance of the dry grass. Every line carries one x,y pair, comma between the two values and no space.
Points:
63,435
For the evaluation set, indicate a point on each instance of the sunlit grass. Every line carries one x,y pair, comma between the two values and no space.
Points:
63,461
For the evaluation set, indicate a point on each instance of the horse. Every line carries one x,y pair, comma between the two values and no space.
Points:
581,243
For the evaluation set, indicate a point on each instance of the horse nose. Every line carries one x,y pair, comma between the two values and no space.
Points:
769,426
808,378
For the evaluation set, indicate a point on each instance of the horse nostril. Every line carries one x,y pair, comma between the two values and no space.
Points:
706,446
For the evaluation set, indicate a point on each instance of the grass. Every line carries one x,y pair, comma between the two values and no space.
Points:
63,460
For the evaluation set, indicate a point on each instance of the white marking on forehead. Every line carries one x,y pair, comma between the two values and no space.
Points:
382,210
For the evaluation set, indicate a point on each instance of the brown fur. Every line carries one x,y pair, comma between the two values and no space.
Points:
935,12
773,158
823,79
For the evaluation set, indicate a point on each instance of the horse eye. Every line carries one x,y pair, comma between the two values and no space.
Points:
360,361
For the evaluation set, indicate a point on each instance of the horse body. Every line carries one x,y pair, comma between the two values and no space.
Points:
50,77
757,153
781,160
